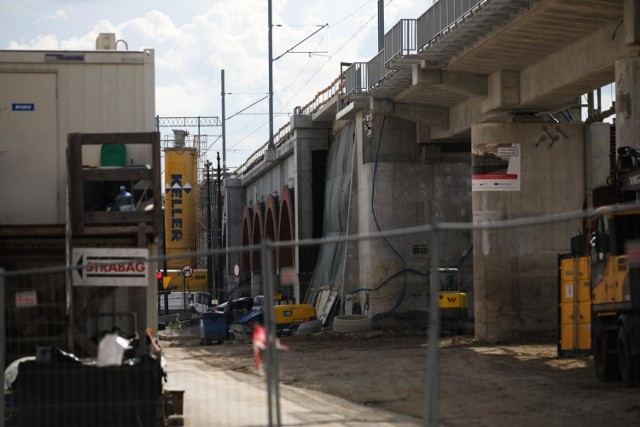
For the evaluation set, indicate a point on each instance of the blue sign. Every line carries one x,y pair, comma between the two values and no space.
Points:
63,57
23,107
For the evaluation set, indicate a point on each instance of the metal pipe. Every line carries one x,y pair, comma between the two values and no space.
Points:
433,336
271,353
210,285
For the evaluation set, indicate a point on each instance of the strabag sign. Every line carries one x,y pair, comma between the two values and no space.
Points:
126,267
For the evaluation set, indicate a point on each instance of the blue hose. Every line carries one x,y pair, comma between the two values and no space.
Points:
386,242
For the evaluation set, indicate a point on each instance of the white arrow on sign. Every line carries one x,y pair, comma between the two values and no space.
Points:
187,270
110,267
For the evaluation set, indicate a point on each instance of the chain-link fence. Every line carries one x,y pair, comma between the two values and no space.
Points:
86,364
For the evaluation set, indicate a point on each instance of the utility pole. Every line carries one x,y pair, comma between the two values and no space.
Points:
220,266
380,25
271,145
224,136
209,245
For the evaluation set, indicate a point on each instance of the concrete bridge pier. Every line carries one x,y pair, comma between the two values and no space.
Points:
628,102
412,183
308,164
515,269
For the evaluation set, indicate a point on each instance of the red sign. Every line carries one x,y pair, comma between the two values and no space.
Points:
26,299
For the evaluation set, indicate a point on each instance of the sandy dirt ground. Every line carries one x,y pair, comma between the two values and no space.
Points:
516,383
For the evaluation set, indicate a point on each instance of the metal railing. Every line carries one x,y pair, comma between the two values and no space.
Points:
323,97
356,79
376,70
409,36
442,16
256,157
400,41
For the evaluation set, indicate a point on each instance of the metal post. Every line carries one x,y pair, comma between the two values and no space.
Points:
380,25
184,291
3,337
224,159
433,373
271,353
220,263
163,237
209,243
271,145
224,134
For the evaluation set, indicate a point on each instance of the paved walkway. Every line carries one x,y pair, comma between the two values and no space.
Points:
214,397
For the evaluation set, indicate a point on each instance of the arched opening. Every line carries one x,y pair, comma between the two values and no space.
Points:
271,223
245,257
286,230
256,237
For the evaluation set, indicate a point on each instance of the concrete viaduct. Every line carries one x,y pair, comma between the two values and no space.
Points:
470,113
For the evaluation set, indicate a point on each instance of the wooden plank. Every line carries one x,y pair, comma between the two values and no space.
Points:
117,217
117,230
117,174
76,193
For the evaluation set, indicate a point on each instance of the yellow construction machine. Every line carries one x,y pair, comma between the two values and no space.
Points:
453,303
607,264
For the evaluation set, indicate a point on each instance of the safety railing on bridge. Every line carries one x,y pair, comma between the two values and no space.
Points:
356,79
400,42
442,16
256,157
323,97
377,72
409,36
446,15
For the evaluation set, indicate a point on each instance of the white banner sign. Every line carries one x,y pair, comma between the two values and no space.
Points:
110,267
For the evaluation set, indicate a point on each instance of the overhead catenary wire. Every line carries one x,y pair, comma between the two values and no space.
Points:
285,105
340,48
247,107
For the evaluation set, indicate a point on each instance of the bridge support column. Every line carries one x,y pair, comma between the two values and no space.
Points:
515,269
628,102
414,185
310,155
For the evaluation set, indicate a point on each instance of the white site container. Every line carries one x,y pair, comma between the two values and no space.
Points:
44,96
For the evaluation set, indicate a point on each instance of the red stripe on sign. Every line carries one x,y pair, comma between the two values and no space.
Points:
500,176
26,299
633,253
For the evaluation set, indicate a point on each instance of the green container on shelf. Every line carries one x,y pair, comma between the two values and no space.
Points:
113,155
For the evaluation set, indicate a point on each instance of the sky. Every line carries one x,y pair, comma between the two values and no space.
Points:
195,39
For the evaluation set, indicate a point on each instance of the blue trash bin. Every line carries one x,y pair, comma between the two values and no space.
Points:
212,327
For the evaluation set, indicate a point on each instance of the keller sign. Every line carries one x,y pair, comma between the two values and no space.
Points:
110,267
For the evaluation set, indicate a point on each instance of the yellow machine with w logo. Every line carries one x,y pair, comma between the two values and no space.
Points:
453,303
